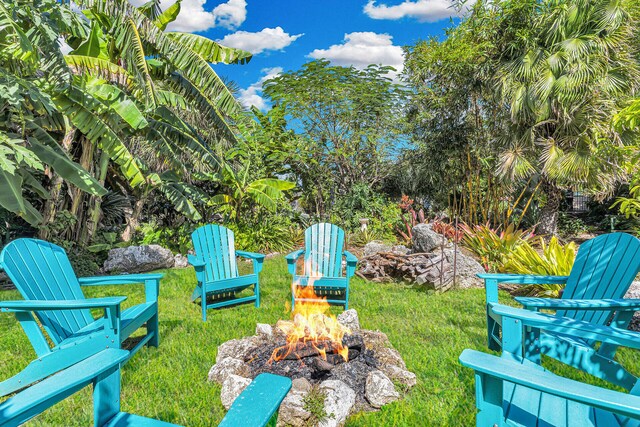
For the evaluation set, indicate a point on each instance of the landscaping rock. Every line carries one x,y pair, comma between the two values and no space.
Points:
390,356
292,412
231,389
375,340
264,330
228,366
380,390
424,239
398,374
338,403
400,249
236,349
138,259
349,318
301,384
180,261
376,246
466,269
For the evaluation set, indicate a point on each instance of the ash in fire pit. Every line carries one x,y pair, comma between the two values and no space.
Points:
329,359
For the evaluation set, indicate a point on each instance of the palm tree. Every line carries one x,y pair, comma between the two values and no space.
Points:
564,67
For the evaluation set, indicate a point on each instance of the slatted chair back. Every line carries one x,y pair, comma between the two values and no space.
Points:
41,271
324,244
603,269
215,245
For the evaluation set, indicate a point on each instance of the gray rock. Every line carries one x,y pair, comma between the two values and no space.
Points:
138,259
425,239
264,330
338,403
228,366
390,356
380,390
231,389
180,261
301,384
291,412
349,318
376,246
398,374
634,290
237,349
400,249
466,269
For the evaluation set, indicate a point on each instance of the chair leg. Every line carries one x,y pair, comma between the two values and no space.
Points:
256,290
293,297
203,301
106,396
346,297
153,327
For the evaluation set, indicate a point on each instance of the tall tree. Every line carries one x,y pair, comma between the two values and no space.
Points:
349,122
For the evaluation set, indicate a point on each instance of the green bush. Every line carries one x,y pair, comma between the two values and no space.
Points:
269,234
493,246
178,240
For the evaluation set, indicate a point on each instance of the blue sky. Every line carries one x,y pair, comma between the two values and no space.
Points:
284,34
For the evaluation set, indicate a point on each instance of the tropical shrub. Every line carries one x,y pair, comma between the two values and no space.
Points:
177,239
447,229
493,246
265,235
553,259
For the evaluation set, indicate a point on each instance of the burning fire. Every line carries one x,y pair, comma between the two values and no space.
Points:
313,326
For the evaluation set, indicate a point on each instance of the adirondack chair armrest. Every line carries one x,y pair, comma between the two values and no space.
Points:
196,262
580,304
121,279
568,326
111,306
257,259
352,262
250,255
491,281
548,383
36,305
151,282
292,258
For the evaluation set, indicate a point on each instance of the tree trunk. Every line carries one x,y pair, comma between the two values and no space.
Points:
133,220
548,223
78,205
95,202
51,205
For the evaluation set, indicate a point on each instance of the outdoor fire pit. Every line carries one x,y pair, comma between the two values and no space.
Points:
337,368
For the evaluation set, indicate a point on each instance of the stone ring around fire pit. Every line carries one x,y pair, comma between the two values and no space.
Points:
326,387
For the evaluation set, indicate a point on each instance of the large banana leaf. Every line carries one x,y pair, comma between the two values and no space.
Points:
50,153
118,101
81,109
168,16
211,51
190,64
94,46
101,68
11,198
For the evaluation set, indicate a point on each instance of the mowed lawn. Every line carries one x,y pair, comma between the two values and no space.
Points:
170,382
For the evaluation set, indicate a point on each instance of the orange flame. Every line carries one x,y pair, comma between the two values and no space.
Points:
312,325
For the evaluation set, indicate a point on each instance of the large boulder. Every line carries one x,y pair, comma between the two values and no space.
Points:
380,390
349,318
466,268
424,239
231,389
338,402
138,259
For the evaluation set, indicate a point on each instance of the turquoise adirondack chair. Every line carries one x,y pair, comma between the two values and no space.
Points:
601,275
42,273
253,408
323,252
515,390
217,269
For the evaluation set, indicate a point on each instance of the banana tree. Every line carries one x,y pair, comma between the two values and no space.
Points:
237,191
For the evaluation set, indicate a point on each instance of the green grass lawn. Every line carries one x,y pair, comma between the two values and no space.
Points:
170,382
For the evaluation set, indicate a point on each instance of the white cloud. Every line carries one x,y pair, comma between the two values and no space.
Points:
363,48
230,14
194,17
252,96
422,10
267,39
